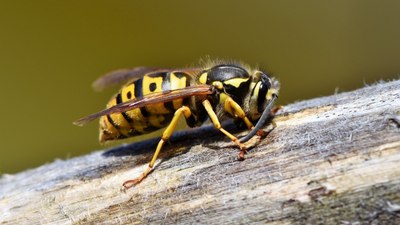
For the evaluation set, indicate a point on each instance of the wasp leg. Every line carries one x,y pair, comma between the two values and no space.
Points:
234,109
217,124
165,136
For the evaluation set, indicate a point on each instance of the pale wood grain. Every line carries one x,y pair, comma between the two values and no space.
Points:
330,160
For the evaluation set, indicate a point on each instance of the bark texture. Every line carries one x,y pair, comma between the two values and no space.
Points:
329,160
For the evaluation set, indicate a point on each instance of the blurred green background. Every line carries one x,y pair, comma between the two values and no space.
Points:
51,51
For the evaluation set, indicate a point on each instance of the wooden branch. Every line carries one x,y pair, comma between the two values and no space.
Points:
330,160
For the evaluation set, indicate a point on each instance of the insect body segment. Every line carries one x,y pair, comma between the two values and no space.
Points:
144,119
157,99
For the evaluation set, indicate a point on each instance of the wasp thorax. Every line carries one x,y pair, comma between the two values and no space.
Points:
234,79
226,72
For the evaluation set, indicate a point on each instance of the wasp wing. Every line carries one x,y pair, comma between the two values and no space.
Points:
150,99
122,76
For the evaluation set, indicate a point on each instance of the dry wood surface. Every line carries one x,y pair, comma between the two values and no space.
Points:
329,160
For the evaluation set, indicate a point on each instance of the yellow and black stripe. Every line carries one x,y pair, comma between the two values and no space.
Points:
145,119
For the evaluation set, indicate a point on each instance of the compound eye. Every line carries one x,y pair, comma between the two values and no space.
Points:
262,93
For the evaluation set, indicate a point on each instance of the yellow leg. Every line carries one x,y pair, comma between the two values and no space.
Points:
217,124
165,136
236,109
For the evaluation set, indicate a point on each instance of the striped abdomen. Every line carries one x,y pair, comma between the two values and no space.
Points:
146,119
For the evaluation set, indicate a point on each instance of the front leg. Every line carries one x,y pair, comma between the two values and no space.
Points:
235,110
217,124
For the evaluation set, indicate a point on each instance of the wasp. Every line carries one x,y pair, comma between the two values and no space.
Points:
154,98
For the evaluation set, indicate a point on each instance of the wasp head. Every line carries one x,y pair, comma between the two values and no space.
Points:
262,89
